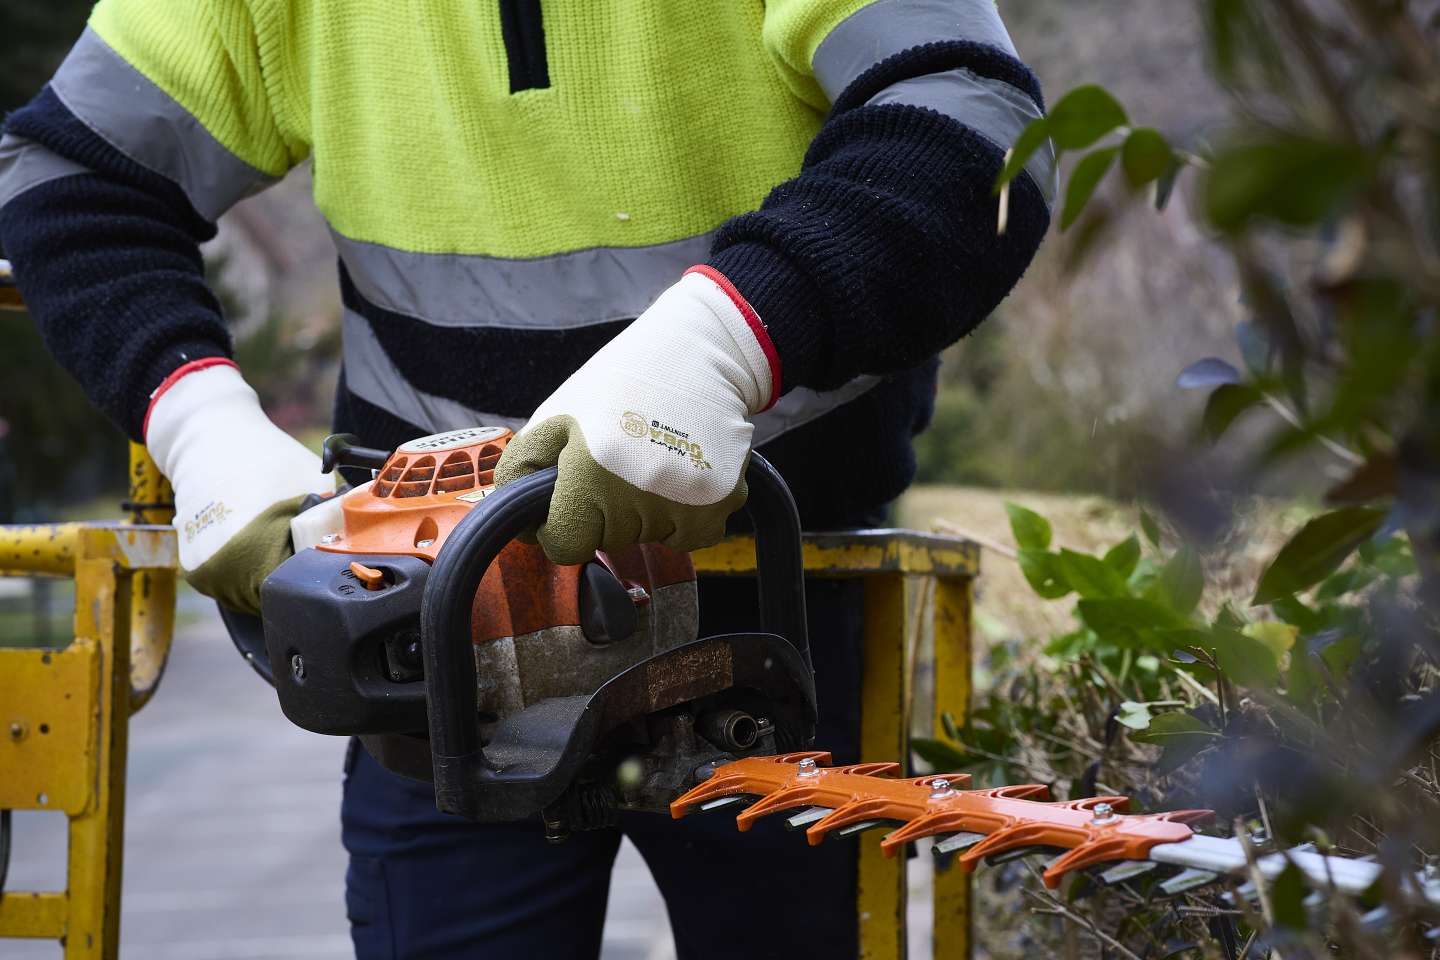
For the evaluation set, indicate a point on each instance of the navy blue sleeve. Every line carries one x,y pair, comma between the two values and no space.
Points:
108,261
885,249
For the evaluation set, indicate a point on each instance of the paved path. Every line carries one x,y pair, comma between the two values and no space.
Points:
233,841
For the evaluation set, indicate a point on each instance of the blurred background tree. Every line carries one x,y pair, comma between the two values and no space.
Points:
272,266
1299,697
54,448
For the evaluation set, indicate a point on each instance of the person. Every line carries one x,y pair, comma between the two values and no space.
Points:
744,225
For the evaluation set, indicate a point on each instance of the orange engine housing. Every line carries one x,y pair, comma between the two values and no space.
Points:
429,484
421,493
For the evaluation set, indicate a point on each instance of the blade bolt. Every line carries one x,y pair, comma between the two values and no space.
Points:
329,538
1104,813
808,768
940,787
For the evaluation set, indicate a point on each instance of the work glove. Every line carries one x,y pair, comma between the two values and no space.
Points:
238,479
652,434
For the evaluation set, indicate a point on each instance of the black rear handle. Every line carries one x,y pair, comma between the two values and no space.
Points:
459,761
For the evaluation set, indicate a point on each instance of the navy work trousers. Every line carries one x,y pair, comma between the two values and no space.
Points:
423,885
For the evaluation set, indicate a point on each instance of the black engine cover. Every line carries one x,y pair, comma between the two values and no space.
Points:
373,683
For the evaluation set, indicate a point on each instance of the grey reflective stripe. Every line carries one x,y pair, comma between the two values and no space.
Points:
558,292
887,27
374,378
992,108
801,405
146,124
25,164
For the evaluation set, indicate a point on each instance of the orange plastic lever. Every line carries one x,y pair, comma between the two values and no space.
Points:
372,578
935,804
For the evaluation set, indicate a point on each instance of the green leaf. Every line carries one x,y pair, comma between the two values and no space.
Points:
1177,729
1083,116
1341,655
1295,612
1130,621
1245,660
1083,180
1182,581
1146,156
947,721
1032,138
1228,619
1301,681
944,757
1124,556
1346,581
1090,576
1287,898
1134,715
1032,531
1317,551
1225,405
1277,636
1042,571
1151,528
1292,180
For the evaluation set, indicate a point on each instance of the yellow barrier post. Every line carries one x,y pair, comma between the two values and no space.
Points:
905,575
66,714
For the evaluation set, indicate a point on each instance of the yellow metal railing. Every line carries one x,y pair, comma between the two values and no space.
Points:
65,715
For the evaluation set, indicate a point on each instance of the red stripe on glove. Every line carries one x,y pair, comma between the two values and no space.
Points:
753,319
194,366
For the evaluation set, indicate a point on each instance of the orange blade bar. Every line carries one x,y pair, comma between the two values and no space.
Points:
935,804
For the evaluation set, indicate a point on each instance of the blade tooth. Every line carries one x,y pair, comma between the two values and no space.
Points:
851,829
720,803
928,824
821,757
1020,791
956,842
958,781
1185,816
843,815
808,816
1127,870
1084,855
1187,879
886,768
716,786
1006,838
782,799
1017,853
1119,804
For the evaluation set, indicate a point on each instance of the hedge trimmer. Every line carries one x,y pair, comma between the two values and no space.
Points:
974,826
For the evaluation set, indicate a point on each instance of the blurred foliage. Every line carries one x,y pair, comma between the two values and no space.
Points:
37,35
54,447
1310,709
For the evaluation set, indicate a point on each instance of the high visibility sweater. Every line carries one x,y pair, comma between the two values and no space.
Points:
510,183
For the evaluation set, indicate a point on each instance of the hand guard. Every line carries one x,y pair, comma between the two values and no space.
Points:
652,434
